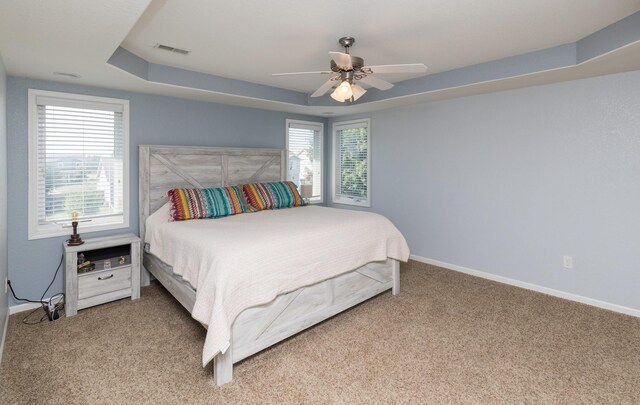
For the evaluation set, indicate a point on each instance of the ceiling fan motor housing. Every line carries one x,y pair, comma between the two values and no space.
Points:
348,76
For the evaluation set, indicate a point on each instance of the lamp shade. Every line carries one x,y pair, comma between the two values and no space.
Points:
306,190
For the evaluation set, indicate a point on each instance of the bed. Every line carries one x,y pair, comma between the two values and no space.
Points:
247,312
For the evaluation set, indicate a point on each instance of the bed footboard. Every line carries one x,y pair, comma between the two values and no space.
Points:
262,326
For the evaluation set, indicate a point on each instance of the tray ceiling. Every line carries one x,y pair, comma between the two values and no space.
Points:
469,46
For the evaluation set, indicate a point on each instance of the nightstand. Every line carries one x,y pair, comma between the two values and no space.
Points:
116,274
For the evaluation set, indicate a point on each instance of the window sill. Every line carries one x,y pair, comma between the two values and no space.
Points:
348,201
56,231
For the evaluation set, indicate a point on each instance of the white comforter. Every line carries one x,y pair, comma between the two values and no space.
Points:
246,260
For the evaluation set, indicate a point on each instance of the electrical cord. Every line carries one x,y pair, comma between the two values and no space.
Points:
18,298
25,319
51,310
53,279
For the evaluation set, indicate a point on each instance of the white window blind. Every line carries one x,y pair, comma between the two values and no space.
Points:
351,162
304,146
79,157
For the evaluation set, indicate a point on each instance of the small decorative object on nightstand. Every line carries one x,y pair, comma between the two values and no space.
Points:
306,192
92,281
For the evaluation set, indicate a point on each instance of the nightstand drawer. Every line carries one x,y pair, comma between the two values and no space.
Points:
102,282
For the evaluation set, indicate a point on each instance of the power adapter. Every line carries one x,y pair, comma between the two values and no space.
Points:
52,312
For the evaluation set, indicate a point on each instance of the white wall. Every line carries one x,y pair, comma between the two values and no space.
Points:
507,183
3,200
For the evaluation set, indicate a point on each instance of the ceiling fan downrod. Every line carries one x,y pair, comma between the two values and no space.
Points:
354,63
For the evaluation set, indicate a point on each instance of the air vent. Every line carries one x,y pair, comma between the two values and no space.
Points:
172,49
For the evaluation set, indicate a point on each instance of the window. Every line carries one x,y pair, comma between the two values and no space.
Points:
304,155
351,162
78,161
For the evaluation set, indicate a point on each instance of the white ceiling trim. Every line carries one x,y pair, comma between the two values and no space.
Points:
563,62
471,47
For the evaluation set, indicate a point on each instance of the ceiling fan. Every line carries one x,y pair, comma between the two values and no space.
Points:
348,70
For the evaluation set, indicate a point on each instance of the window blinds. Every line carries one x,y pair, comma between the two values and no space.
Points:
305,155
80,159
352,160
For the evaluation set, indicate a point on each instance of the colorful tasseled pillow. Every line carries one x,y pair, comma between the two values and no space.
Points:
265,196
197,203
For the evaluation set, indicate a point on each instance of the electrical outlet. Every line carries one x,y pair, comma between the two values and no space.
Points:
567,262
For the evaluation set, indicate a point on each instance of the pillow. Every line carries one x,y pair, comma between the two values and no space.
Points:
265,196
197,203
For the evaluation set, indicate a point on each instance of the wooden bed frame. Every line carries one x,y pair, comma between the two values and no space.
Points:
166,167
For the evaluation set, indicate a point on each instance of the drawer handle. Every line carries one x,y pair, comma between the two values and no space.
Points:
105,278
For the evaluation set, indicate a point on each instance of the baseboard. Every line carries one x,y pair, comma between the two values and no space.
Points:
29,306
4,335
534,287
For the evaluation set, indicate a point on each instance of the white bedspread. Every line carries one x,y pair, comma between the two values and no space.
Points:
246,260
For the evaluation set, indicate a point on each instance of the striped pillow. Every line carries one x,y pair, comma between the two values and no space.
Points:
197,203
265,196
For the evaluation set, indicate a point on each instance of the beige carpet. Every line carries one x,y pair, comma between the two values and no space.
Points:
447,338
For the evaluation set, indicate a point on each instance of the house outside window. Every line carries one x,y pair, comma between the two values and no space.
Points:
78,162
304,156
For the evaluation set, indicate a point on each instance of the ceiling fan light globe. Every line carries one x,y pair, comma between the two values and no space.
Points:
345,90
358,91
337,96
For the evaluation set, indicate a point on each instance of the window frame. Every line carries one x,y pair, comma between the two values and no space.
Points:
37,231
335,197
288,122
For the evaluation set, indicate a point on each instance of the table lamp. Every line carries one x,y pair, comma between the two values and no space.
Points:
75,239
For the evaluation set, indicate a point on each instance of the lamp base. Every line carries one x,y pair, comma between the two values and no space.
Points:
75,240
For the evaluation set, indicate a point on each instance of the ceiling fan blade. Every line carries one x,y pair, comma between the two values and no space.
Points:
324,88
343,60
326,72
406,68
375,82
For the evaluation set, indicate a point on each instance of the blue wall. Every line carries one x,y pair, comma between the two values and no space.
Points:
507,183
154,120
3,197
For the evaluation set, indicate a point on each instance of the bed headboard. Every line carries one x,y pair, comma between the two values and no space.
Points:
165,167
